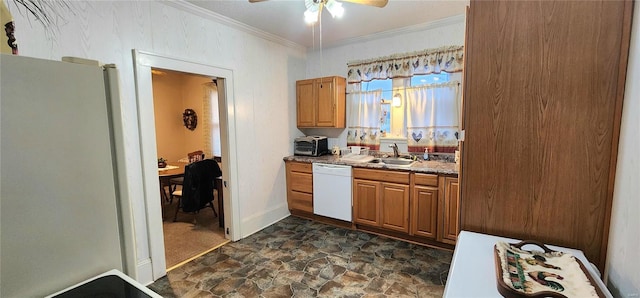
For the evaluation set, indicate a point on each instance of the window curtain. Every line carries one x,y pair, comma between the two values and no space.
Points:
211,121
433,117
447,59
363,123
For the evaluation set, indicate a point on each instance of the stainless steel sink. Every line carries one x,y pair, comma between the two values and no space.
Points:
398,161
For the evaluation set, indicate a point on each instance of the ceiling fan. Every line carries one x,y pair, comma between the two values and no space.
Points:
314,7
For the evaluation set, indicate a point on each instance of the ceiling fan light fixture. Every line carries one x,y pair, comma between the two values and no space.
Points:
335,8
310,17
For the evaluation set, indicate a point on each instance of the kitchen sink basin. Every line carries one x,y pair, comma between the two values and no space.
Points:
399,161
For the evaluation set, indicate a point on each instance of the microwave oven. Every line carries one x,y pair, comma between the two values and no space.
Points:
311,146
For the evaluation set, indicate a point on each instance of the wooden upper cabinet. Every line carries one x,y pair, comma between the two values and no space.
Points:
305,93
543,89
321,102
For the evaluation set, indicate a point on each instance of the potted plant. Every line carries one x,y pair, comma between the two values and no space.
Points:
162,163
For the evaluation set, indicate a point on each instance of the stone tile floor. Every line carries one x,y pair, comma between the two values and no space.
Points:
300,258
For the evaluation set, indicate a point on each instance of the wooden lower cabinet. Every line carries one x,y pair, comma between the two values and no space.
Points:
394,200
414,206
381,204
424,211
299,187
366,202
451,210
435,207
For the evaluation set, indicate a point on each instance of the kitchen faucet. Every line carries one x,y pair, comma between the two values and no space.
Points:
395,150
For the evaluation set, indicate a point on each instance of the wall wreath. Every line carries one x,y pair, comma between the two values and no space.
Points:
190,119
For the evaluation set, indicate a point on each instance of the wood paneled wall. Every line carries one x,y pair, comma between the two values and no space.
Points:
544,82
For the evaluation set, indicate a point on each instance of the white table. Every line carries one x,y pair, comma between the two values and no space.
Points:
473,272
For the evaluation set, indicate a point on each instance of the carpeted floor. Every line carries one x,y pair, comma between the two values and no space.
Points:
190,235
300,258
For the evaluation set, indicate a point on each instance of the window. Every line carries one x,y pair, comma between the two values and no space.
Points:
424,109
386,119
386,87
433,78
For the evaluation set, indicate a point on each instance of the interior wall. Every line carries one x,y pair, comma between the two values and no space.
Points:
623,254
173,92
167,105
263,104
445,32
193,93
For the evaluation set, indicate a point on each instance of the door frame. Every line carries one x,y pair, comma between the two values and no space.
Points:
143,62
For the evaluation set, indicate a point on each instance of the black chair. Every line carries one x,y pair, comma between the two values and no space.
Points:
174,182
198,186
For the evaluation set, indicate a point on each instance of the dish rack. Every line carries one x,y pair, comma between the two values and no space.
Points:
354,150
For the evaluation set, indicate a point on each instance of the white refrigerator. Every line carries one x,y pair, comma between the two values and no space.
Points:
60,208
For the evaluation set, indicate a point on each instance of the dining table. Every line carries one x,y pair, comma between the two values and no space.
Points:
175,170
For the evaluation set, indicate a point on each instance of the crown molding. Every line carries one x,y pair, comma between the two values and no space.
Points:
188,7
457,19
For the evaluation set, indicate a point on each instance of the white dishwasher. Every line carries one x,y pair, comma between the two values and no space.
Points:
332,191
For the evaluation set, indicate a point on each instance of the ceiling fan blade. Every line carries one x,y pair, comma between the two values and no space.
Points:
376,3
254,1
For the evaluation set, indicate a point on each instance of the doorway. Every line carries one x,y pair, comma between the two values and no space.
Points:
143,64
176,94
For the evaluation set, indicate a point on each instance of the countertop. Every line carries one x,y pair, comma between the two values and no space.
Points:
431,167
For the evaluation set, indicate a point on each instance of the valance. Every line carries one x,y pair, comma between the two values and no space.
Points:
447,59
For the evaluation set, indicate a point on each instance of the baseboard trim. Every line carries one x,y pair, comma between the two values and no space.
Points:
262,220
144,272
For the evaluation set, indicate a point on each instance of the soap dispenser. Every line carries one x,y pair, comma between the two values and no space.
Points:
426,154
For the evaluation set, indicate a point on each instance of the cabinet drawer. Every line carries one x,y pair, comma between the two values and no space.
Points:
300,201
299,167
381,175
426,179
302,182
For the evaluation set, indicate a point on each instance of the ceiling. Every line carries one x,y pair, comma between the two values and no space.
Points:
284,18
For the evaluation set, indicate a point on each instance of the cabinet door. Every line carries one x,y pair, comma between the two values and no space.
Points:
542,112
305,103
366,202
424,211
394,200
325,110
451,210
